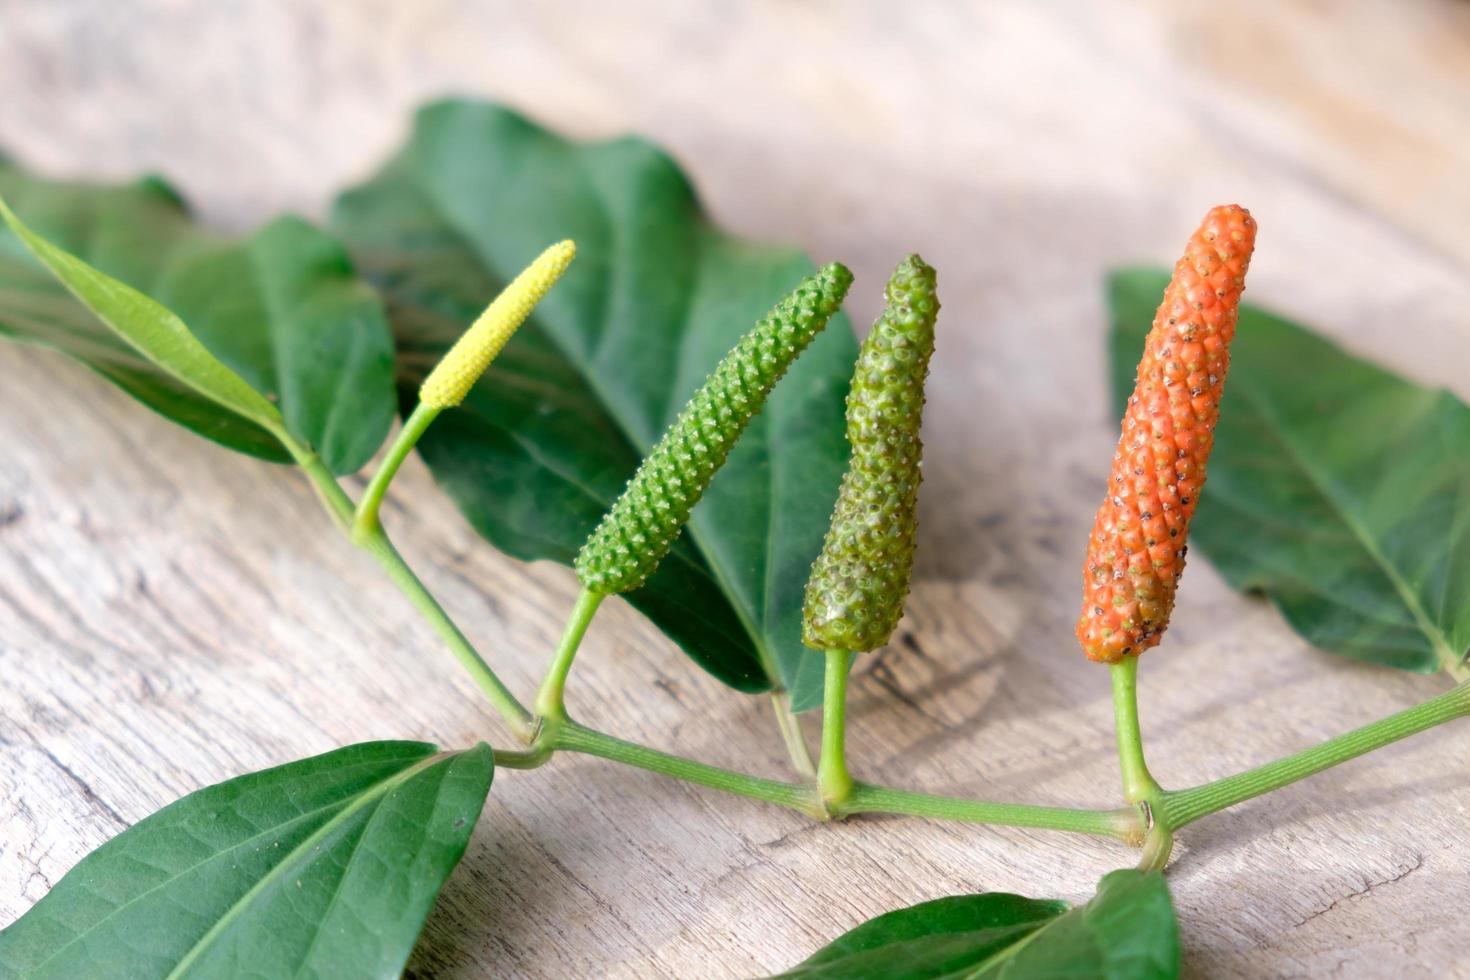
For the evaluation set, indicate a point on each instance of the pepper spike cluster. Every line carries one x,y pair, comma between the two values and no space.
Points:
1135,555
457,372
855,595
640,528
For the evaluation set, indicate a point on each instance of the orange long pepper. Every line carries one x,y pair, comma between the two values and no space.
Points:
1136,553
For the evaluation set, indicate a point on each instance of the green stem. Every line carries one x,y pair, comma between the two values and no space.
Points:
1124,824
1459,670
572,737
1157,846
376,543
499,696
510,759
791,733
834,782
1182,807
1138,784
551,698
839,795
333,497
561,733
365,520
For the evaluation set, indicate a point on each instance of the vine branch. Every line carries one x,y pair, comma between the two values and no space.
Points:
1183,807
547,733
376,543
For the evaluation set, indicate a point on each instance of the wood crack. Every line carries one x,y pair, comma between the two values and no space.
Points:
1359,893
88,793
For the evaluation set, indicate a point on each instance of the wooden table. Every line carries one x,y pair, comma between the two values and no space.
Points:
172,615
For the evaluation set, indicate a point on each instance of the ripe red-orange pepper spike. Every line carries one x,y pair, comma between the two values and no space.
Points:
1136,553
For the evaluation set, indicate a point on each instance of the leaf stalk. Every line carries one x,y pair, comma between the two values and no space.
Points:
791,734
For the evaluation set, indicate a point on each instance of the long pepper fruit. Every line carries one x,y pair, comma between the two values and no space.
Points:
640,528
450,381
1136,553
855,595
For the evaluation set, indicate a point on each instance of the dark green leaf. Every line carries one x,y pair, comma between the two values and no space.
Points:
932,938
657,295
1336,488
325,867
1126,932
286,335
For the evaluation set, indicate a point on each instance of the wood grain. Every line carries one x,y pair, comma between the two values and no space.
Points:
172,615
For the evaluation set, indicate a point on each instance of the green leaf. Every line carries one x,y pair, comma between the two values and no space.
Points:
326,867
933,937
1338,489
657,295
280,333
1126,932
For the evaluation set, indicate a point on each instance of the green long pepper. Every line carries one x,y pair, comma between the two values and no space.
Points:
855,595
640,528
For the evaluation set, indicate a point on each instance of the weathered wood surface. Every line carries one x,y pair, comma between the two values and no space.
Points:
172,615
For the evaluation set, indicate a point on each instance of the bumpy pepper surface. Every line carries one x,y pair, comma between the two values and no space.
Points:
1136,553
454,376
640,528
855,595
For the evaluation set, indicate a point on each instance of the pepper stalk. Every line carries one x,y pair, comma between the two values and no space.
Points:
855,595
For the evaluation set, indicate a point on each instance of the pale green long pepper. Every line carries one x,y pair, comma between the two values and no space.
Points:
855,596
640,528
